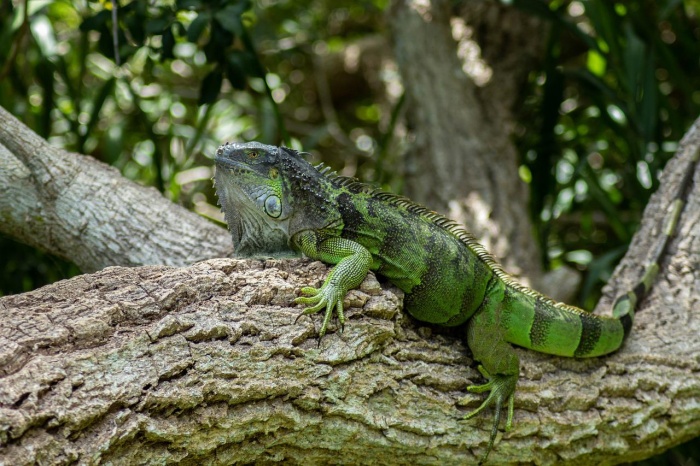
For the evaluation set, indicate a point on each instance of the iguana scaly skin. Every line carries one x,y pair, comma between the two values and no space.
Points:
276,203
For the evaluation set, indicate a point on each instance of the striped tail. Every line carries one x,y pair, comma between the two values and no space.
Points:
537,322
624,306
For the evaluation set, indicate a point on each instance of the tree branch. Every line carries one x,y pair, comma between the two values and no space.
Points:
206,363
83,210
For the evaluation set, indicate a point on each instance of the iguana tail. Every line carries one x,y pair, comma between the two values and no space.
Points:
624,306
537,322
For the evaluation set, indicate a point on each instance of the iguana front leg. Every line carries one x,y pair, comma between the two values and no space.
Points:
353,262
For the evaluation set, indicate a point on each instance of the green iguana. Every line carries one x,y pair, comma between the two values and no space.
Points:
276,204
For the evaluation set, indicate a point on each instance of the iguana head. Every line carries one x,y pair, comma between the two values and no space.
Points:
268,194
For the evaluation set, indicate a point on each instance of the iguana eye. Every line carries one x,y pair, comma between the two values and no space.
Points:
253,154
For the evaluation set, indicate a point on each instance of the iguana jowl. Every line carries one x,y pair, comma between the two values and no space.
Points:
276,203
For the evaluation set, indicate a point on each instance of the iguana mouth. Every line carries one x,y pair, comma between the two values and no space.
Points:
231,165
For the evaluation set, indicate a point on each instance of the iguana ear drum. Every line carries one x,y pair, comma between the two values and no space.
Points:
273,206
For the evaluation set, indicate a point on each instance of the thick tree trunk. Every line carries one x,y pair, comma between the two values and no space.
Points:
82,210
460,110
207,364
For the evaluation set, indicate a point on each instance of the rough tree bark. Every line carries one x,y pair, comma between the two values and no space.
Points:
207,364
83,210
463,160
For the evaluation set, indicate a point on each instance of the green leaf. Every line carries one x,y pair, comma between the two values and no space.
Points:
188,4
219,40
97,22
35,5
98,103
230,17
179,28
197,26
606,24
157,25
649,100
137,26
46,79
236,70
168,45
43,33
596,63
668,8
211,85
634,58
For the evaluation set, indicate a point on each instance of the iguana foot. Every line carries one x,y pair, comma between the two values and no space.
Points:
501,388
327,296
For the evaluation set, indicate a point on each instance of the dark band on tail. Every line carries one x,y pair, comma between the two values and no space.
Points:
624,306
591,328
626,321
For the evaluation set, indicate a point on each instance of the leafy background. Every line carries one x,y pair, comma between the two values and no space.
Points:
619,85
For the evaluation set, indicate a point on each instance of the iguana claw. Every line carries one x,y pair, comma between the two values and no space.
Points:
327,296
501,387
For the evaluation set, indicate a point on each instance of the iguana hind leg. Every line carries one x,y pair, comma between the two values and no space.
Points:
499,365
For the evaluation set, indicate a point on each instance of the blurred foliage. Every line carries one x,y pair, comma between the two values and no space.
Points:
618,86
